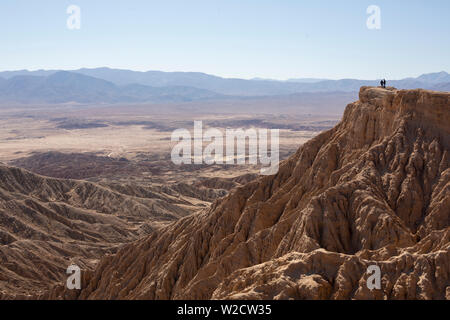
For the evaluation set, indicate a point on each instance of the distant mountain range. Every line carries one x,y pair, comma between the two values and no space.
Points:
63,86
113,86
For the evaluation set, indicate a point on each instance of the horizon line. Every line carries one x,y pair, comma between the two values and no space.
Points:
255,78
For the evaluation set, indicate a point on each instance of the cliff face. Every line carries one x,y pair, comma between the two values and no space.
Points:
373,190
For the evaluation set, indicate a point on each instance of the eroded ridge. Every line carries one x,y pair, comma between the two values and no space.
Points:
373,190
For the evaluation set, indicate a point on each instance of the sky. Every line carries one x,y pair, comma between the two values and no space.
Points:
278,39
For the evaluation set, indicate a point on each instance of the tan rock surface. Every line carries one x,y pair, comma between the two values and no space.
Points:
373,190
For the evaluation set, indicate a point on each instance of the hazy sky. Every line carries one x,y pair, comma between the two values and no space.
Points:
232,38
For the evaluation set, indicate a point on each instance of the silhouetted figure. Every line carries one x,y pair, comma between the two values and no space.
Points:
383,83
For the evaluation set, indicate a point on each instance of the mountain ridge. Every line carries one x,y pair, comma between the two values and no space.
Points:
186,86
64,86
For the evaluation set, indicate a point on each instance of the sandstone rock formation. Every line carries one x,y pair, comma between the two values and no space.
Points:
374,190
